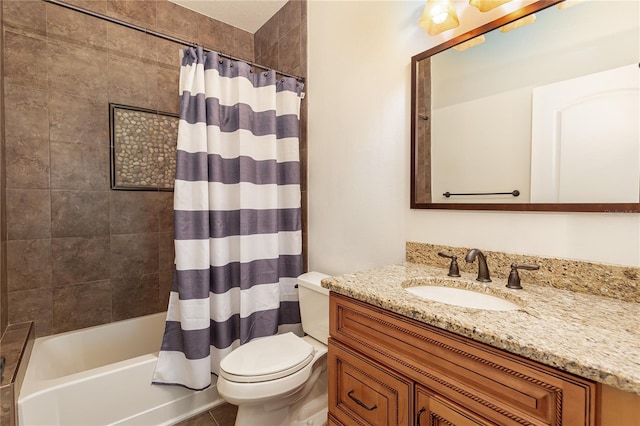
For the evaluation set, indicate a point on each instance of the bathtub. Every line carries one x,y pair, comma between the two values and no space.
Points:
102,376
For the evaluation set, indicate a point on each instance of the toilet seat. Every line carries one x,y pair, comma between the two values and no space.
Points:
267,358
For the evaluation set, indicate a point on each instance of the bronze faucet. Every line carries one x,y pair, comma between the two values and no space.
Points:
454,271
483,269
514,277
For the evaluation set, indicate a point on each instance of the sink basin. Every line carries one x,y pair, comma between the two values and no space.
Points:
462,297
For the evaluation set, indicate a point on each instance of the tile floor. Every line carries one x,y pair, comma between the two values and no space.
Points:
222,415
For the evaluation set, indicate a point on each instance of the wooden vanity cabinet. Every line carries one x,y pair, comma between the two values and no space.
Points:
387,369
367,392
434,410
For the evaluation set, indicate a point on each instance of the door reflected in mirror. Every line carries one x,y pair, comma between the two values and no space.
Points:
549,112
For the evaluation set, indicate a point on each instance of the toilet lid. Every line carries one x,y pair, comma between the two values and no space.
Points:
267,358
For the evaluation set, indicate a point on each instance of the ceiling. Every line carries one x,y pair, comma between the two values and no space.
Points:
248,15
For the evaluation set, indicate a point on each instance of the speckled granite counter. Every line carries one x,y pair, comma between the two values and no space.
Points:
591,336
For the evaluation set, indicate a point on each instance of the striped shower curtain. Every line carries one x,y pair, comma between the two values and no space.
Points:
238,237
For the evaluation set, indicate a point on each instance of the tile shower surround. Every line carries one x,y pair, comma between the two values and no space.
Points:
4,318
78,253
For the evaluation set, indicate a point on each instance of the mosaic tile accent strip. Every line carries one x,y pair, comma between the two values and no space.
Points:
618,282
143,148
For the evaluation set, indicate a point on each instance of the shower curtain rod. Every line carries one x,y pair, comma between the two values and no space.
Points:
162,36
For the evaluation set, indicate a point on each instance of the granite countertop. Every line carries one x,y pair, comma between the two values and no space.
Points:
592,336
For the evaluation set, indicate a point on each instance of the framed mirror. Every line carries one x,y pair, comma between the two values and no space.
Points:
542,118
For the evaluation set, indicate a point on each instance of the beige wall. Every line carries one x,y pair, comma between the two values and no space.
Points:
80,254
359,56
359,64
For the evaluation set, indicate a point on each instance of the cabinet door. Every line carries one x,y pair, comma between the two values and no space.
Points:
365,393
433,410
331,421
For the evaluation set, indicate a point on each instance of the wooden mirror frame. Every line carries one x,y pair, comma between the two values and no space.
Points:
544,207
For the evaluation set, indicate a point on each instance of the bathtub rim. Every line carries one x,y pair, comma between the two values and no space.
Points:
32,385
180,406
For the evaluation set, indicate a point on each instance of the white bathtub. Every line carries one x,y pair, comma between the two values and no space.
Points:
102,376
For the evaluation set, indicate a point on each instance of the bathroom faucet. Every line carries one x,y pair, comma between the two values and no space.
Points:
483,270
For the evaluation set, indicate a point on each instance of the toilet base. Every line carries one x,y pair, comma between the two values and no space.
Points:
250,415
308,409
312,413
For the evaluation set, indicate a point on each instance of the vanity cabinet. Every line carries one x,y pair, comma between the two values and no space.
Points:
436,411
368,393
387,369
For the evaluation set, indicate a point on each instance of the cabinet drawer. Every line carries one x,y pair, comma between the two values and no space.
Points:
362,392
431,410
502,387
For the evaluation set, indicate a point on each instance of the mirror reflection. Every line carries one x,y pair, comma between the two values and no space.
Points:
548,111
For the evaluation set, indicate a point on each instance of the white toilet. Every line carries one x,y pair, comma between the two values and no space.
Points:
282,380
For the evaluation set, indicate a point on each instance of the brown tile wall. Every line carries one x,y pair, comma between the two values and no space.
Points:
4,317
281,43
15,347
78,253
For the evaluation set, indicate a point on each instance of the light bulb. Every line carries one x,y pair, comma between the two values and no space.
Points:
439,14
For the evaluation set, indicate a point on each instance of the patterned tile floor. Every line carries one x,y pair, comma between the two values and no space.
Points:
222,415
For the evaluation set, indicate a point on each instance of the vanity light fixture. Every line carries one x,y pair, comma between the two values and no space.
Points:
438,16
487,5
529,19
470,43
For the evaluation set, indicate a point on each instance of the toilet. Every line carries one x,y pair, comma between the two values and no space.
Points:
281,380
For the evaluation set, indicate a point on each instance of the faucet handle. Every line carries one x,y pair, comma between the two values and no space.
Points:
514,278
454,271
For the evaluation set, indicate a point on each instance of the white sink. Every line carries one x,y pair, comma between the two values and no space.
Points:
462,297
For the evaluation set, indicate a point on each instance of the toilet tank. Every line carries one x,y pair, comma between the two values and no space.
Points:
314,306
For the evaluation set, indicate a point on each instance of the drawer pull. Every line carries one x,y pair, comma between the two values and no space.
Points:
422,410
360,403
